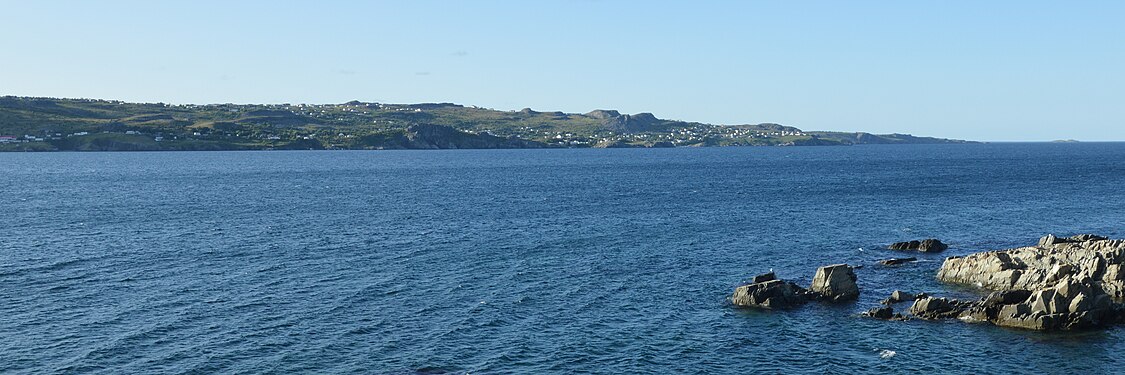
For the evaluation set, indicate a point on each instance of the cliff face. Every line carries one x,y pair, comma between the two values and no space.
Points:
617,122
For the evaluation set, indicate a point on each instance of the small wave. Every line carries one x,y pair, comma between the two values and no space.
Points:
885,354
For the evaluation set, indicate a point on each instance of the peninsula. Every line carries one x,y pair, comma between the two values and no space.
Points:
54,124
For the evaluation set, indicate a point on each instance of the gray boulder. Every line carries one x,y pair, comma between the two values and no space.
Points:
835,283
899,296
770,294
938,308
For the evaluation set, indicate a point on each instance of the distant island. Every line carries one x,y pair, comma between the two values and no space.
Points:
54,124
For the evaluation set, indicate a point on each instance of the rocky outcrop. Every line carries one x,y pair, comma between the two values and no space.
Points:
615,121
1060,284
770,294
1086,257
1071,304
835,283
931,245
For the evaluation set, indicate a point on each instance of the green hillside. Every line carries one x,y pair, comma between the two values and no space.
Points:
42,124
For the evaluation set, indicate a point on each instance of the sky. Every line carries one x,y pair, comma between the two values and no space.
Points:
979,70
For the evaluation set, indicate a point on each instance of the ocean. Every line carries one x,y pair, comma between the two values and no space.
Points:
526,261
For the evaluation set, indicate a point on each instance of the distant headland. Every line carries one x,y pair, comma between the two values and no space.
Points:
54,124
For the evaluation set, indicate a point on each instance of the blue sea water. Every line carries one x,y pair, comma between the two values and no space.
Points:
524,261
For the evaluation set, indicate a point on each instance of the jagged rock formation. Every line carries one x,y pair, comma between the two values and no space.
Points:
835,283
1072,304
1060,284
1096,258
931,245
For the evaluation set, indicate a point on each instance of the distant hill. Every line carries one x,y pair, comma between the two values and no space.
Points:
44,124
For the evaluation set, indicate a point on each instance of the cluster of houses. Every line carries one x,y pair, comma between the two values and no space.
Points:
15,139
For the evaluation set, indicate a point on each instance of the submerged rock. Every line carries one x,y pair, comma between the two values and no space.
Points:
931,245
897,261
770,294
835,283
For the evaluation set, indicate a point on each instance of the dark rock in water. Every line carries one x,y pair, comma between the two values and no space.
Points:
835,283
896,261
771,294
938,308
931,245
910,245
765,277
899,296
883,312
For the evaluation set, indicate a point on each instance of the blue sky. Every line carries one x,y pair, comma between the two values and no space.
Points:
984,70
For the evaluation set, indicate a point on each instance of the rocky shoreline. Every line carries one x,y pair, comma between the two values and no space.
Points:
1060,284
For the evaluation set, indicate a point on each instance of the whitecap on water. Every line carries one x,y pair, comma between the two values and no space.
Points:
884,354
